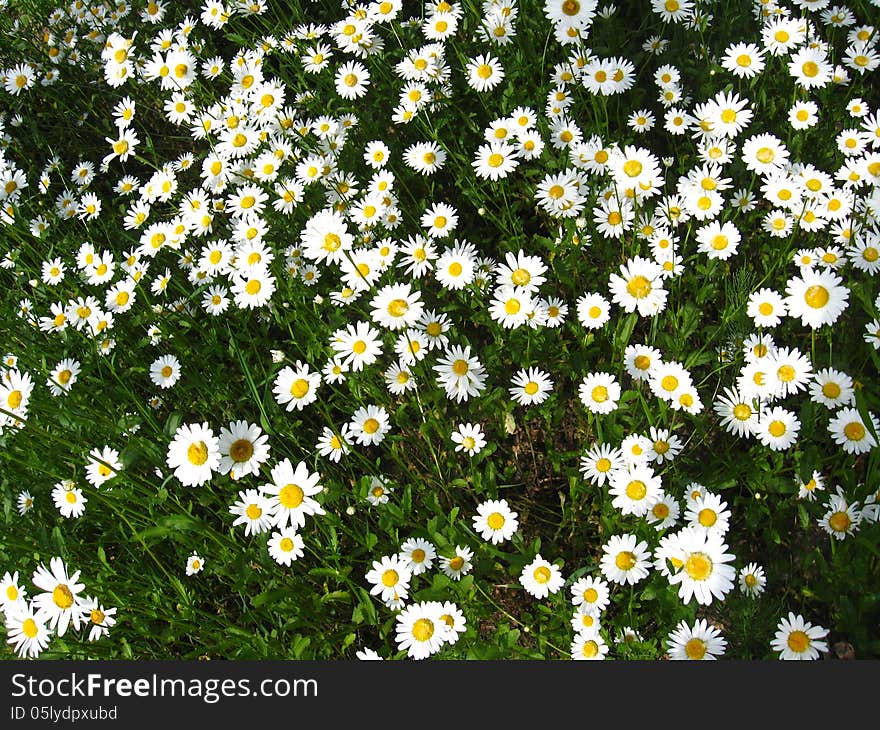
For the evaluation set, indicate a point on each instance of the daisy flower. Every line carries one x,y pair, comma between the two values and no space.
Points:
752,580
664,513
469,437
59,604
390,577
530,387
26,630
588,645
798,639
194,454
599,392
459,564
100,618
243,448
816,297
625,560
698,642
420,629
851,433
253,510
704,574
495,521
591,595
296,387
285,545
635,489
484,72
777,428
541,578
102,464
194,564
291,494
165,371
600,461
69,499
842,518
418,554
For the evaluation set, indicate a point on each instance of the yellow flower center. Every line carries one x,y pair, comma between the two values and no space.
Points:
698,566
777,429
816,296
291,496
423,629
695,649
241,450
854,431
542,574
798,641
625,560
636,490
197,453
639,287
29,628
495,521
839,521
62,596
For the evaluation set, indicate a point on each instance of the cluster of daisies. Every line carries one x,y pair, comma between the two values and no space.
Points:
280,505
60,604
423,627
204,235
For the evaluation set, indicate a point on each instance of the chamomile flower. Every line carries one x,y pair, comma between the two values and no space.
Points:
816,297
484,72
165,371
832,388
194,564
530,387
777,428
599,462
369,425
69,499
640,360
296,387
418,554
664,513
59,604
599,392
588,645
635,489
797,639
253,510
590,594
103,464
285,546
625,559
194,454
752,580
541,577
709,513
390,577
698,642
766,307
495,522
459,564
593,310
421,630
850,432
243,449
100,618
26,630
